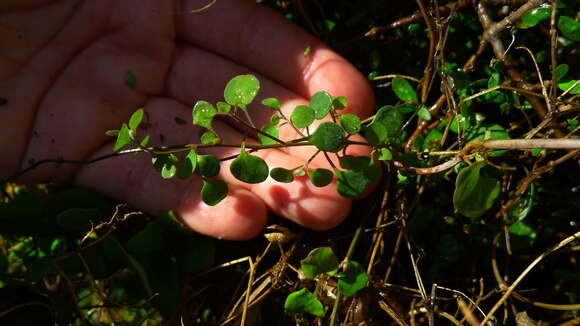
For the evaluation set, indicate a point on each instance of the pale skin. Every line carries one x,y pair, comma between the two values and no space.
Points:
62,68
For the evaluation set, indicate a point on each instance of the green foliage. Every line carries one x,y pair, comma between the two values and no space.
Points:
282,175
303,302
350,123
270,130
328,137
321,102
249,168
385,125
353,279
209,138
404,91
213,191
241,90
475,192
569,27
203,114
302,116
533,17
272,103
123,138
321,260
320,177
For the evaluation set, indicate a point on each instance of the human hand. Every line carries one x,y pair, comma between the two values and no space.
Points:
62,69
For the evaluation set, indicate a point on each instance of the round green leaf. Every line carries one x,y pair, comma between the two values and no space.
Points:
474,193
303,302
275,119
272,102
404,91
203,113
350,123
209,137
493,80
321,260
523,206
321,103
302,116
241,90
249,168
123,138
320,177
188,165
223,107
569,27
213,191
270,130
385,154
136,119
487,131
561,71
351,184
165,165
208,165
282,175
460,122
299,172
356,163
566,85
339,103
424,113
328,137
353,279
533,17
386,124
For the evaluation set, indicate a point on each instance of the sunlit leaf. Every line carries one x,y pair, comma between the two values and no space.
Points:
320,177
213,191
165,164
208,165
123,138
188,165
561,71
321,260
147,241
328,137
282,175
136,119
303,302
475,192
356,163
493,81
270,130
275,119
460,122
209,137
273,103
385,154
321,103
203,113
302,116
404,91
249,168
241,90
353,279
223,107
78,219
533,17
350,123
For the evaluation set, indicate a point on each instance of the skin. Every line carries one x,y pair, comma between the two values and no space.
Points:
62,68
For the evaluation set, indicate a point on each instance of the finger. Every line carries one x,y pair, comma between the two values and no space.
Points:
257,37
241,215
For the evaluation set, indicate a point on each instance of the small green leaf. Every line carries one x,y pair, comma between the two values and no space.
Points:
351,184
213,191
270,130
208,165
113,133
424,113
321,103
339,103
145,141
209,137
522,207
353,279
386,124
303,302
188,165
328,137
474,193
321,260
493,81
385,154
130,79
485,132
282,175
165,164
320,177
299,172
123,138
561,71
566,85
136,119
460,122
249,168
203,113
302,116
355,163
350,123
241,90
533,17
459,79
569,27
272,102
275,119
223,107
404,91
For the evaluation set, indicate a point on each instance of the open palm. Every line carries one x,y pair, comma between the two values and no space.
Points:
62,70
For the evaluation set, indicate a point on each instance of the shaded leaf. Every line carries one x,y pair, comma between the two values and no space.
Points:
136,119
404,91
213,191
320,177
356,163
303,302
302,116
569,27
386,124
328,137
249,168
203,113
475,193
561,71
188,165
353,279
209,137
351,184
147,241
272,102
533,17
321,260
223,107
270,130
208,165
350,123
241,90
321,103
123,138
339,102
282,175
